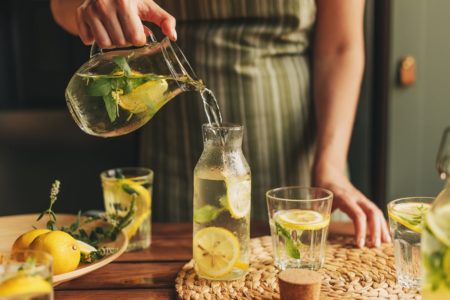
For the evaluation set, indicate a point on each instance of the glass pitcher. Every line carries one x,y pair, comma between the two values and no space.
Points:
222,190
119,90
435,245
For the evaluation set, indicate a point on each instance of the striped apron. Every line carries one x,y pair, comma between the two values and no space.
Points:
253,54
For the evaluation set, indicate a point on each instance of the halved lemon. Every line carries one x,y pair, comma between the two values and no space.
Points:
238,199
410,215
216,251
300,219
146,96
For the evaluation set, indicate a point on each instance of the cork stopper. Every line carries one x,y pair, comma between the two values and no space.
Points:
299,284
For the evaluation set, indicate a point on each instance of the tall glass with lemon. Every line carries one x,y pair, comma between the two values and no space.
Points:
222,200
406,217
26,274
299,218
129,191
436,235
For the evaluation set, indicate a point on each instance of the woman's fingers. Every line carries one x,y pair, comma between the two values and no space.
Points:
150,11
131,23
107,13
374,221
385,233
84,31
352,209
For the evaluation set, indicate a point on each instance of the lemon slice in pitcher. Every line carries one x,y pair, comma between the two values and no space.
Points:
409,214
238,198
145,96
129,190
216,251
300,219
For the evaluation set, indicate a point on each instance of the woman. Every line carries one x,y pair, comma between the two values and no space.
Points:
255,56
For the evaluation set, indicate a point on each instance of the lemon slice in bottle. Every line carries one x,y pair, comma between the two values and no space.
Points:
216,251
238,198
410,215
126,192
146,96
300,219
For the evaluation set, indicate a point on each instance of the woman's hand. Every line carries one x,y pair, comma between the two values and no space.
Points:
112,23
367,217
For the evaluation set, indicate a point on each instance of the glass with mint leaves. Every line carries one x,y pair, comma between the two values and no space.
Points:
119,90
299,218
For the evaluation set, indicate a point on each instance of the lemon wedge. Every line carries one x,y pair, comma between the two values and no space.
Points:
149,95
85,248
216,251
301,219
238,198
142,203
409,214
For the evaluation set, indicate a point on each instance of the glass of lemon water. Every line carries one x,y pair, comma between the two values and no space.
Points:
129,191
406,217
26,274
299,218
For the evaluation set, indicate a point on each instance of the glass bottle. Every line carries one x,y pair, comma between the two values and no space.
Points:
435,246
119,90
222,200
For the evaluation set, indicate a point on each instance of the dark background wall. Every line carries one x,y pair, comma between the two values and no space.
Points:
40,142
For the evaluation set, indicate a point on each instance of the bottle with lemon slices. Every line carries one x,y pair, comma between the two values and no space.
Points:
436,234
128,191
222,189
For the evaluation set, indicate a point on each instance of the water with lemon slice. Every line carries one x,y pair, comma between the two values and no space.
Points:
406,217
299,238
435,249
123,195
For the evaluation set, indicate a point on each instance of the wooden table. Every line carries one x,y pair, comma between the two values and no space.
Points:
148,274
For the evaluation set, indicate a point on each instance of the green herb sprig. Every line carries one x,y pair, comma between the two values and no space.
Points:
54,191
112,88
291,248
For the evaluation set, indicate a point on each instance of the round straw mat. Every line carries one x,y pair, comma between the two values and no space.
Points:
348,273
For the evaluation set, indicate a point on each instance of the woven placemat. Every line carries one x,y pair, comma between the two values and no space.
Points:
349,273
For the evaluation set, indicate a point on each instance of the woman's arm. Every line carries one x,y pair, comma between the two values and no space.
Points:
111,22
338,64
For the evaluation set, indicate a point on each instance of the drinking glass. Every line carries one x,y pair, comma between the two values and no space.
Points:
299,218
26,274
127,192
405,221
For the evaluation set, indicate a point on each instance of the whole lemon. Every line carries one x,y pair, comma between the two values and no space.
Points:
24,241
62,247
24,285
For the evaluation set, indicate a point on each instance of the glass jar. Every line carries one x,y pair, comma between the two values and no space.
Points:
435,246
222,200
119,90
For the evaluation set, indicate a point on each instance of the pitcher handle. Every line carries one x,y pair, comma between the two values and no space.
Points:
443,157
96,50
